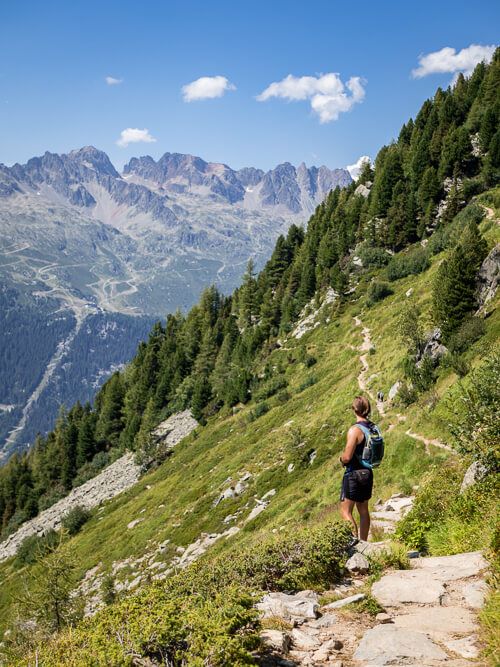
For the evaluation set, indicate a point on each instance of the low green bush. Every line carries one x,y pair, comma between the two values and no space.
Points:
411,263
73,520
270,388
204,615
373,257
376,292
467,334
35,547
308,382
259,410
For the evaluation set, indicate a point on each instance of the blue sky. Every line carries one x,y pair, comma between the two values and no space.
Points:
55,55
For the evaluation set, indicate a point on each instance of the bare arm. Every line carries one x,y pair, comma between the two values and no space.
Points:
354,437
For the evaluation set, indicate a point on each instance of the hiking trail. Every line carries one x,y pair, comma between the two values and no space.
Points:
364,348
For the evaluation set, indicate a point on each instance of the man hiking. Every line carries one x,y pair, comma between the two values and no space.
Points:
358,458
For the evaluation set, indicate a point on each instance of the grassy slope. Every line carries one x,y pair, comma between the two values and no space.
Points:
187,484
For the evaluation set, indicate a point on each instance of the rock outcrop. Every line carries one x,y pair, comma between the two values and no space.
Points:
488,278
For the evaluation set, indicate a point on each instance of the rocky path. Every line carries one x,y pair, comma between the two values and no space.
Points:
429,618
366,345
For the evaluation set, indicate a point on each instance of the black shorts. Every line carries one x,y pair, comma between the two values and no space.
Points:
357,485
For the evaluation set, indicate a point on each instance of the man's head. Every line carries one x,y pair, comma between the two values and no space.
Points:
361,407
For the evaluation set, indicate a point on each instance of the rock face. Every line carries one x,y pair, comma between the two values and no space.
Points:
117,477
475,472
488,278
433,348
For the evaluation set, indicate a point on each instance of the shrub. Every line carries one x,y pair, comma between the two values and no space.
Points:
259,410
406,395
75,519
310,361
431,504
377,291
108,590
376,257
308,382
472,410
411,263
468,333
270,388
283,397
35,547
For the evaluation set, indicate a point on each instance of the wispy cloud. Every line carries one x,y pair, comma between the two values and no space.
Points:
355,169
132,135
327,93
451,61
112,81
206,88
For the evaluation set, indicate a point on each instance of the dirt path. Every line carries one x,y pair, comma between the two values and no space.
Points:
490,214
364,348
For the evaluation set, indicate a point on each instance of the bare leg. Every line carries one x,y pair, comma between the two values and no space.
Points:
346,508
364,520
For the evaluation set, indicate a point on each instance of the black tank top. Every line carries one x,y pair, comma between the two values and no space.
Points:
354,463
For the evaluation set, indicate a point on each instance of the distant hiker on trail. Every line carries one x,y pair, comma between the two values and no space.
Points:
363,452
380,396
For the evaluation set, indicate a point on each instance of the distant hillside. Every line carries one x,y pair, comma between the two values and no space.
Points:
79,239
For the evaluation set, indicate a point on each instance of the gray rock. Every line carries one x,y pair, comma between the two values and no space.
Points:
438,622
390,645
474,594
338,604
358,563
466,647
451,568
488,278
393,391
382,617
362,190
474,473
325,621
405,586
288,607
303,640
276,640
433,348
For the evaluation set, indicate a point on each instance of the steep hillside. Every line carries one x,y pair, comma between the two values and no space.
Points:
286,459
392,288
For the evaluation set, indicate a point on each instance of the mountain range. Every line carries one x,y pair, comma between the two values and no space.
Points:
81,243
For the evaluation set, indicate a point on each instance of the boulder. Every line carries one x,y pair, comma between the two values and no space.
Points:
393,391
451,568
276,640
358,564
474,473
433,347
288,607
390,645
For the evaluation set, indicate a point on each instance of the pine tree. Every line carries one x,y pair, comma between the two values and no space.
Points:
86,445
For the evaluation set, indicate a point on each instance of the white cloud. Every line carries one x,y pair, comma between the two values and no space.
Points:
355,169
132,135
206,88
111,81
448,60
328,95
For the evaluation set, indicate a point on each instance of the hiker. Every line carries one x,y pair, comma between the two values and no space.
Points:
359,458
380,396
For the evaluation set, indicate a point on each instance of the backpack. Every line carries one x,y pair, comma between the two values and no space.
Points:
373,451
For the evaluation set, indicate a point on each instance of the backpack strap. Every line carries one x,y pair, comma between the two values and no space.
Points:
365,430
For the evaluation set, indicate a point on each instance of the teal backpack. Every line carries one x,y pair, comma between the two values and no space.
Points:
373,451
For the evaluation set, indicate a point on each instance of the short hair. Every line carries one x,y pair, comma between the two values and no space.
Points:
361,406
